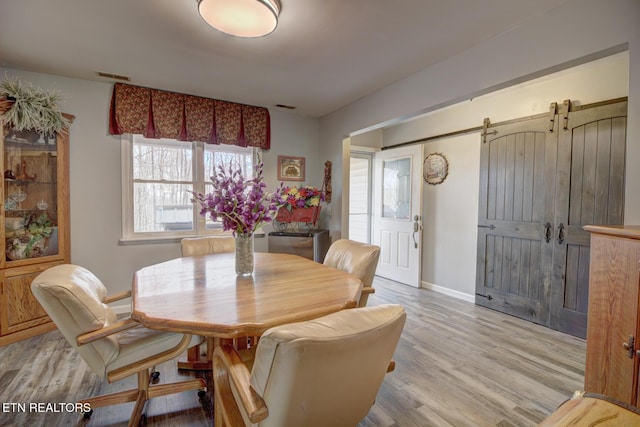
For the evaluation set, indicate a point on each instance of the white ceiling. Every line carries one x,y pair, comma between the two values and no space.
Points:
324,54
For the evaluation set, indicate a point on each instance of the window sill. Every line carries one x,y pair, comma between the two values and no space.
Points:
152,240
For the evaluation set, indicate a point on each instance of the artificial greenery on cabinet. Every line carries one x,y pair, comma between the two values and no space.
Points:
28,108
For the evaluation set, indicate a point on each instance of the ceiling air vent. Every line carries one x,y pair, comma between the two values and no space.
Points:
113,76
288,107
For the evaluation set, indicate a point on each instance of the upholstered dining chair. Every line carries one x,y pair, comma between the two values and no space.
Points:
76,300
322,372
355,258
192,246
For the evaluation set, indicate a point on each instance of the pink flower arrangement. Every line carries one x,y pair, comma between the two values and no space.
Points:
301,197
241,204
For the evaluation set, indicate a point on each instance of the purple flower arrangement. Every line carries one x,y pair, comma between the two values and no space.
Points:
241,204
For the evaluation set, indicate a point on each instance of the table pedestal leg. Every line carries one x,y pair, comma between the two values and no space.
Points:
197,360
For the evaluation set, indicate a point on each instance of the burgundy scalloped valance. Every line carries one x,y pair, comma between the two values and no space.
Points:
161,114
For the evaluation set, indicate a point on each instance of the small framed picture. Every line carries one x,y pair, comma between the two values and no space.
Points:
290,168
435,168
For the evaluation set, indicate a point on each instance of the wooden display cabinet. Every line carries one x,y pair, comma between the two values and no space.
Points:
34,223
613,328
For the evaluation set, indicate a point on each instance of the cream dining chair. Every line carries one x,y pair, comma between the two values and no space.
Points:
195,246
192,246
322,372
355,258
76,300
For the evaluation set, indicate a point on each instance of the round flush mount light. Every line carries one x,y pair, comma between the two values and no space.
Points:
241,18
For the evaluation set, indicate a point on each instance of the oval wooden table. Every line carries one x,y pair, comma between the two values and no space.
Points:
201,295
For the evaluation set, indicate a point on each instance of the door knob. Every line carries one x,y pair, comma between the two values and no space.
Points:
416,228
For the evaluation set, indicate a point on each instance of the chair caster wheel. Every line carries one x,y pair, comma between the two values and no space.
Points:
87,415
155,377
202,394
143,421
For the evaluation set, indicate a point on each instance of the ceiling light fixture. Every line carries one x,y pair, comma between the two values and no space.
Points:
242,18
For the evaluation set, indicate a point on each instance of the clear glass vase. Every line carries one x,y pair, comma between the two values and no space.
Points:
244,255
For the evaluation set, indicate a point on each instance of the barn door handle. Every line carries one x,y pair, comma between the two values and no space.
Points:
547,232
490,227
560,234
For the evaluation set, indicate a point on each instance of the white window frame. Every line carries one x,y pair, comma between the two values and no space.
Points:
368,156
128,236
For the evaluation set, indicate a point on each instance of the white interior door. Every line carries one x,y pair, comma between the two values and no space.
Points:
397,213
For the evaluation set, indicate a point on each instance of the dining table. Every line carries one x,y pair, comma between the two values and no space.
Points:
202,295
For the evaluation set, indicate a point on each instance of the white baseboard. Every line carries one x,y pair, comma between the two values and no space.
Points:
448,291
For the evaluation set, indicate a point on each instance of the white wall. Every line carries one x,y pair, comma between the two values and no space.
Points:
574,33
450,217
450,209
95,177
373,139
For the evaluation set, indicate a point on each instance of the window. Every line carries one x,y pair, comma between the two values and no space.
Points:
396,189
158,177
360,197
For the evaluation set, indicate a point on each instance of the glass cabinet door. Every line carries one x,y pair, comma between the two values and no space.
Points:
30,195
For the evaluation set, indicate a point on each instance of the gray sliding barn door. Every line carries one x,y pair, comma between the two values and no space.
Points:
517,181
541,180
590,190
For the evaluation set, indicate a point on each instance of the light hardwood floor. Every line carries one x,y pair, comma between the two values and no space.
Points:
456,365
